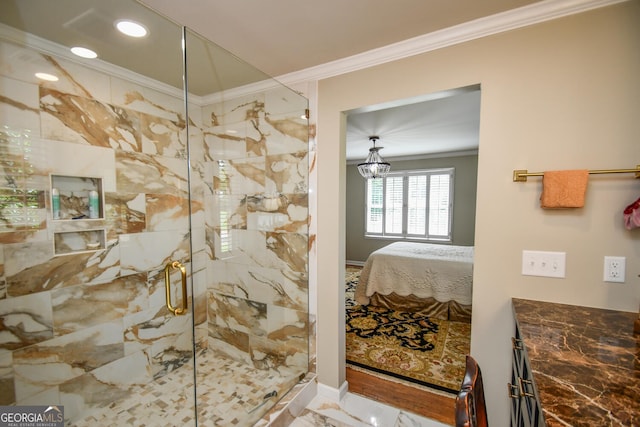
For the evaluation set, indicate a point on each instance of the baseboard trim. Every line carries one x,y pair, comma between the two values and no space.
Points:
358,263
332,393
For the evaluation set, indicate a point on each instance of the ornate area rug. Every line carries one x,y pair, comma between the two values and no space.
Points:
405,345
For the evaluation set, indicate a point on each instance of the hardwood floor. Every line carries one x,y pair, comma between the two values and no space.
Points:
412,399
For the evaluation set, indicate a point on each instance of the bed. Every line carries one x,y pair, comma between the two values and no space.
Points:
433,279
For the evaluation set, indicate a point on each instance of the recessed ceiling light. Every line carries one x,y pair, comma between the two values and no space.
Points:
46,76
83,52
131,28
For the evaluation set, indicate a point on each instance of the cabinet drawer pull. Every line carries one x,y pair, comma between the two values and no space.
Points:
510,389
523,390
516,344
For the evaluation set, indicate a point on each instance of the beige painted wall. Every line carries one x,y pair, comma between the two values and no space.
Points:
559,95
358,247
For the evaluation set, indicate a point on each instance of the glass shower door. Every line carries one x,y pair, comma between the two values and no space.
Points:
95,241
250,161
153,222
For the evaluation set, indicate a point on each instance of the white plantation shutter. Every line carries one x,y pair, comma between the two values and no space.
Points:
417,205
393,205
224,245
439,205
411,204
374,205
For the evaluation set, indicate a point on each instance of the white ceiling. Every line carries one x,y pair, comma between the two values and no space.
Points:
445,122
280,37
284,36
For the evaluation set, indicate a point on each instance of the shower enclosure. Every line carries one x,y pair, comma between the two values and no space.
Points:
153,222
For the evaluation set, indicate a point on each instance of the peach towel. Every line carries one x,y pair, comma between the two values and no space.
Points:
564,189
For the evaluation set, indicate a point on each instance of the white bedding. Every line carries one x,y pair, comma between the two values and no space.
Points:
425,270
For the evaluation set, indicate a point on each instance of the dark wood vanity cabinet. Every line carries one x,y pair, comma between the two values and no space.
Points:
574,366
525,403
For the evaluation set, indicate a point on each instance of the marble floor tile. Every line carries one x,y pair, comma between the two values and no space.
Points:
356,411
228,392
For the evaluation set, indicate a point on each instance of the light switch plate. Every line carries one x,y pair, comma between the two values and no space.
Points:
542,263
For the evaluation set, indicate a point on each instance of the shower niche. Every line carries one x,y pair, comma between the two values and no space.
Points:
77,208
78,197
68,242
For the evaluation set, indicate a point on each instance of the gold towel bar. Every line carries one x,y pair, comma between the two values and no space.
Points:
520,175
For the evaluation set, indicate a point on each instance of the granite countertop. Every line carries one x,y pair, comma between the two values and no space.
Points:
585,363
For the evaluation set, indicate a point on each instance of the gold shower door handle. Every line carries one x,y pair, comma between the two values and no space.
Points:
167,282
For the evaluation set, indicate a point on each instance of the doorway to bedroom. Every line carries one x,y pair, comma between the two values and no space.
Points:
408,293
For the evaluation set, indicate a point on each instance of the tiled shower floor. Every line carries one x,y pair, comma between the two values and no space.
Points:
228,390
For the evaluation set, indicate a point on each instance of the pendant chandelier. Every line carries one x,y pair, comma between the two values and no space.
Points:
374,166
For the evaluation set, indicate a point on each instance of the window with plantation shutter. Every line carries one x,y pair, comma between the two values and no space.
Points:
224,243
417,205
413,204
393,201
374,205
439,205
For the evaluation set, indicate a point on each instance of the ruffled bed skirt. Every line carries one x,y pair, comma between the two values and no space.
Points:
450,310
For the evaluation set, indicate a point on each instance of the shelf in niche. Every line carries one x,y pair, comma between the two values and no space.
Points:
73,193
72,242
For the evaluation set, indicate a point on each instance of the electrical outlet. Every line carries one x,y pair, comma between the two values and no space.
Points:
546,264
614,267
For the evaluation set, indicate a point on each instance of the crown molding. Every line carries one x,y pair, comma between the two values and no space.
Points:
510,20
535,13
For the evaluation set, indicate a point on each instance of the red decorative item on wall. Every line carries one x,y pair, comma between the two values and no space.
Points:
632,215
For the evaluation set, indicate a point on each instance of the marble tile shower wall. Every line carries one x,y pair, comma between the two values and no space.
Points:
81,328
256,173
